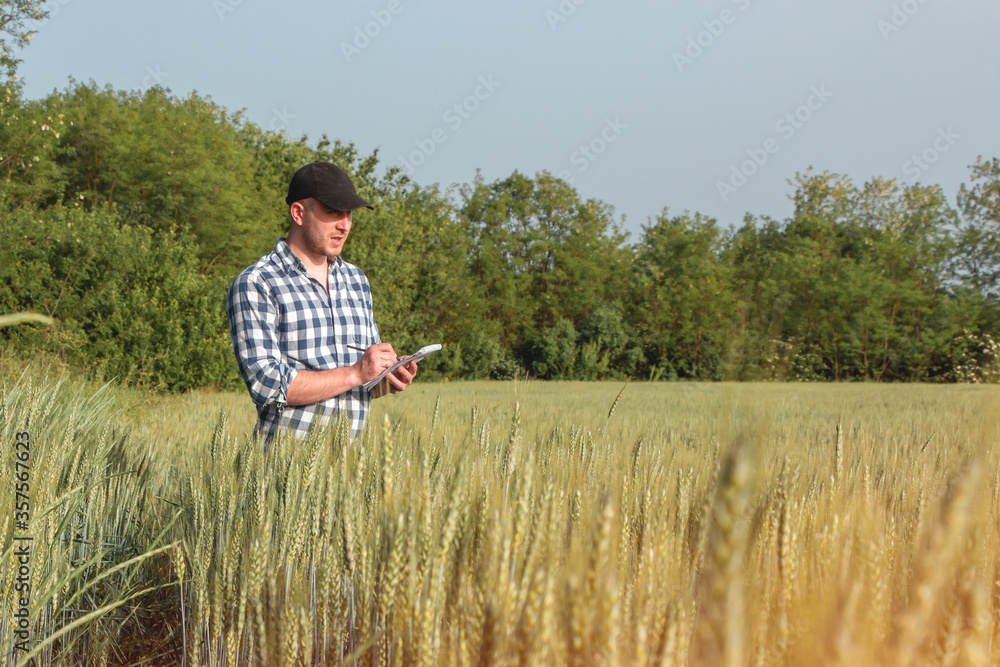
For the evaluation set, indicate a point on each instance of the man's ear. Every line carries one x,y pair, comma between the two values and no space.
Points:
296,210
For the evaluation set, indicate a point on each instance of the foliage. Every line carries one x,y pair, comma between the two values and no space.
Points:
978,262
682,302
166,164
852,287
542,256
607,347
127,302
414,253
877,282
556,351
16,17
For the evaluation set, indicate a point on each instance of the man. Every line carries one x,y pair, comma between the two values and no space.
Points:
301,318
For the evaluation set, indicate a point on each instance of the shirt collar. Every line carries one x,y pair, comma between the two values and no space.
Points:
290,261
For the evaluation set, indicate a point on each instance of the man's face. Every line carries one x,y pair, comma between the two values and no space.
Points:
324,230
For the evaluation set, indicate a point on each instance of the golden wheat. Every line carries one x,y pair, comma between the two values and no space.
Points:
671,525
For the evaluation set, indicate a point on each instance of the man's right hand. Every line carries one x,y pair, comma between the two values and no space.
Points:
376,359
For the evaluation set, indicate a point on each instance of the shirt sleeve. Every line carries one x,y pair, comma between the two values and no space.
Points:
253,323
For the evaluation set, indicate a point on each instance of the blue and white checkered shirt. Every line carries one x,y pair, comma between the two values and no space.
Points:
282,321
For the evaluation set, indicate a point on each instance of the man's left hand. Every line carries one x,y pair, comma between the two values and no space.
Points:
399,379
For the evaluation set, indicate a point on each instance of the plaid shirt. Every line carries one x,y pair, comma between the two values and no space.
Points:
282,321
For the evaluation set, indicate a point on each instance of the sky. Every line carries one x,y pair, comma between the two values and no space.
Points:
708,107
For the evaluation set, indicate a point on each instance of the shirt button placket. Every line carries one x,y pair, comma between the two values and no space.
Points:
332,281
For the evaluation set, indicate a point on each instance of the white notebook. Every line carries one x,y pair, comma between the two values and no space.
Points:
420,354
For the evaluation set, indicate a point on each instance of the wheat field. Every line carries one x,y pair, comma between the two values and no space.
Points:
511,523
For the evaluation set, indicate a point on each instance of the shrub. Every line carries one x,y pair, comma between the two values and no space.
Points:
129,303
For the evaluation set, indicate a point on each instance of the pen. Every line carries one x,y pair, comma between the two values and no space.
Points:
359,349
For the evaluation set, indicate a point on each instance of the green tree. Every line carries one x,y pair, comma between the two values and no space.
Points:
165,164
682,301
540,254
15,31
414,251
977,262
26,133
127,303
556,350
863,272
756,254
607,347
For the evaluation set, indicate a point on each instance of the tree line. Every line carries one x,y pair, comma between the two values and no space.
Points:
125,216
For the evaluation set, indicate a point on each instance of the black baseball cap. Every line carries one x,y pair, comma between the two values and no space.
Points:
327,183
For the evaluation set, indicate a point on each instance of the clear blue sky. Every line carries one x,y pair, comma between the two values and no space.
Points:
666,98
